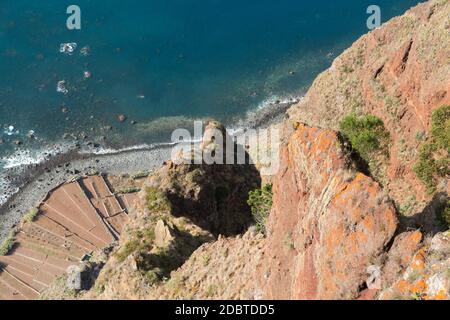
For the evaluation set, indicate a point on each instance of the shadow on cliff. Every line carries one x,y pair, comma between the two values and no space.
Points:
161,264
354,159
216,199
428,221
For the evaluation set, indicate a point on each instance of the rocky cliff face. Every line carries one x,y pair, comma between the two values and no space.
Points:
400,73
336,229
328,224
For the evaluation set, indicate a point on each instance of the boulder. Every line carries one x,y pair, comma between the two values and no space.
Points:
122,118
163,234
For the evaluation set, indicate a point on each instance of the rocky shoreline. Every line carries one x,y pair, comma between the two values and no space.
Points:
36,180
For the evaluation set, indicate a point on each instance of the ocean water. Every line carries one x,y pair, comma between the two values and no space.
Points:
162,63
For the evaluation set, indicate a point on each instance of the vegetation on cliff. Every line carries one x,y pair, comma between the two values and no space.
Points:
31,214
8,243
260,202
366,134
434,160
157,200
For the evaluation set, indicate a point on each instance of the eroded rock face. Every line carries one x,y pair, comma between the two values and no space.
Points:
400,73
427,275
181,206
224,269
328,222
214,196
400,255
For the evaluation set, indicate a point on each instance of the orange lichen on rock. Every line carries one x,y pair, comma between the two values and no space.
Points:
418,262
333,215
427,276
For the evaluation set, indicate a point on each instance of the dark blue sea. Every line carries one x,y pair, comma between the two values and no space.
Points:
161,63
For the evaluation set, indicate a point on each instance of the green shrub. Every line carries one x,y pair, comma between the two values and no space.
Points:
440,127
8,243
206,259
194,176
140,175
366,134
434,160
127,249
260,202
157,200
425,169
153,276
140,240
212,289
128,190
31,215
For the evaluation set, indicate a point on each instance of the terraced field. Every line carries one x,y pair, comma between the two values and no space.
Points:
74,219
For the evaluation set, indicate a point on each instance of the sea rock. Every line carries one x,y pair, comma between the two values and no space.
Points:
122,118
74,281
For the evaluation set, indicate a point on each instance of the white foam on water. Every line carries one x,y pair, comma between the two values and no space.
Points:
6,191
19,160
11,130
68,48
25,157
272,105
278,100
106,151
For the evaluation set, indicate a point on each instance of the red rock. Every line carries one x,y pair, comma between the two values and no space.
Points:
399,256
327,223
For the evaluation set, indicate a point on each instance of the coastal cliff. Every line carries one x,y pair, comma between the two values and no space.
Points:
399,73
345,223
